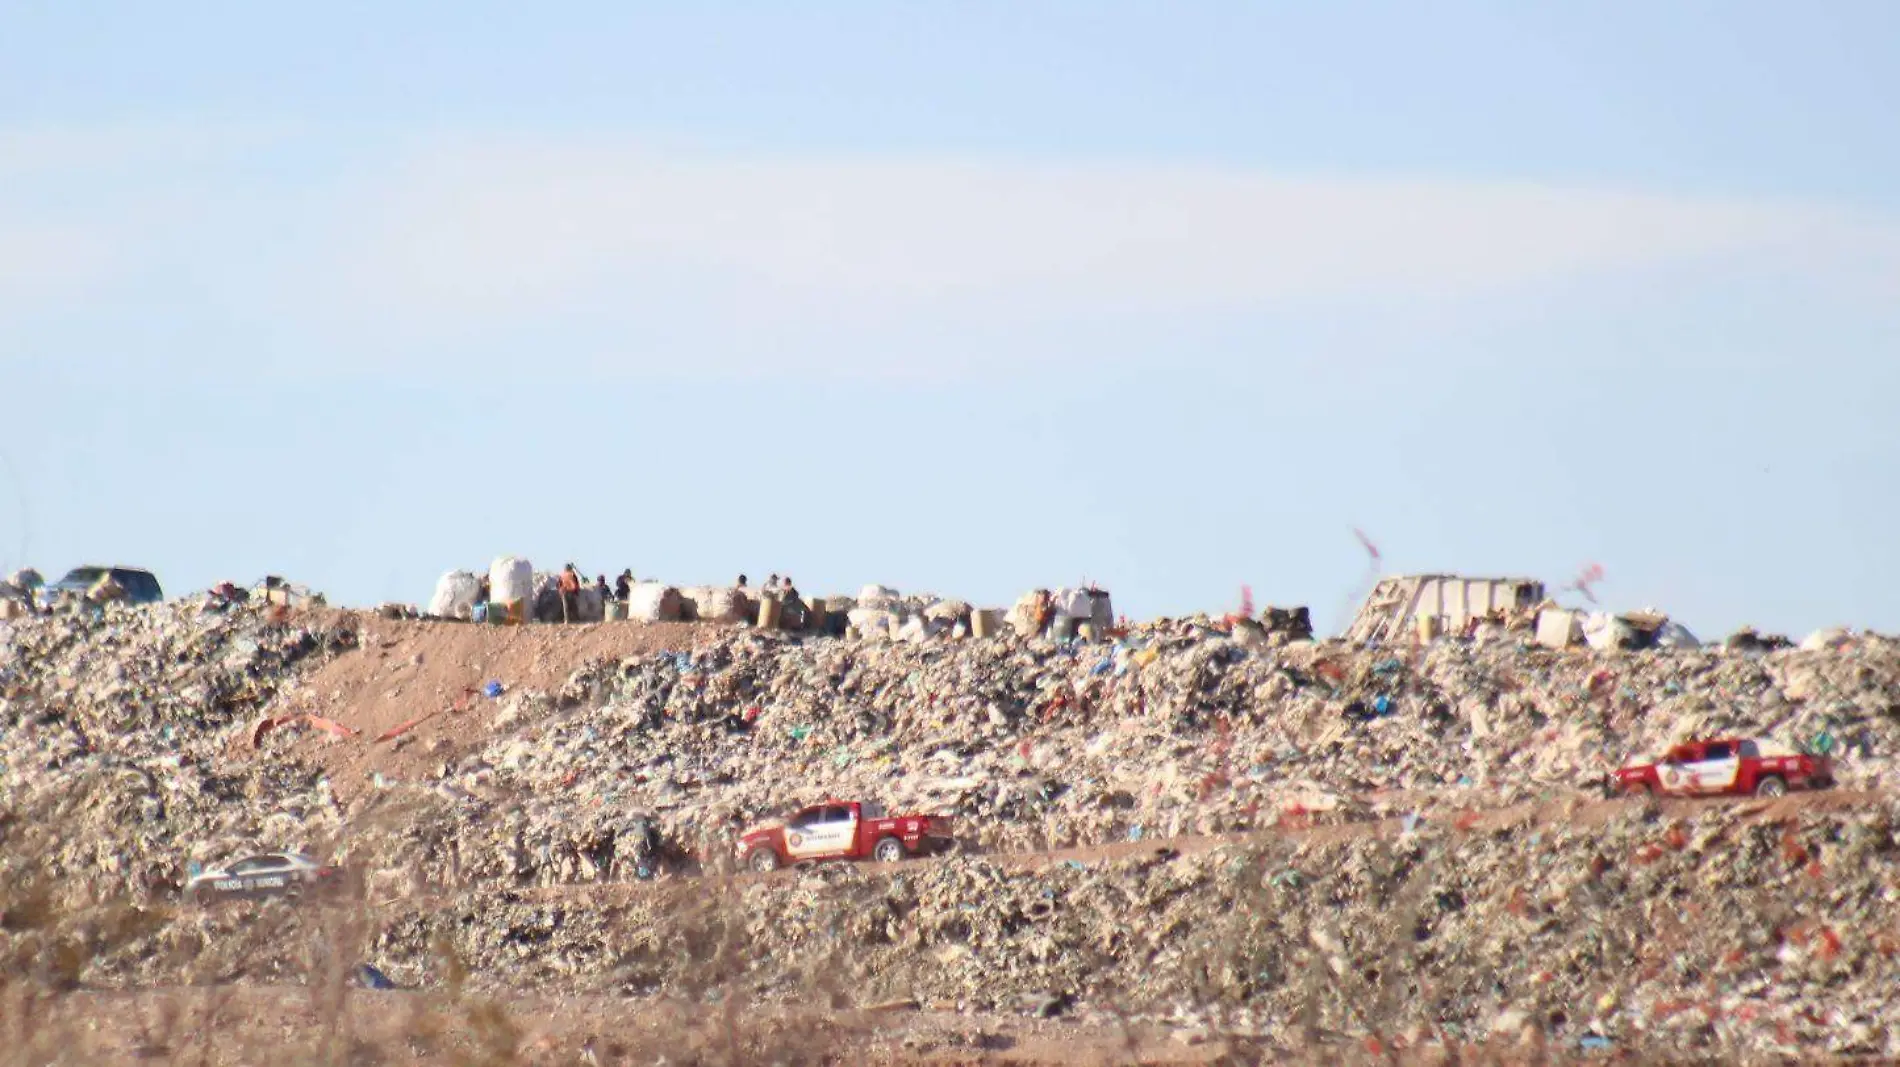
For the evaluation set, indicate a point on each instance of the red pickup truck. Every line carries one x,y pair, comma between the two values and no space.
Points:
1731,766
843,830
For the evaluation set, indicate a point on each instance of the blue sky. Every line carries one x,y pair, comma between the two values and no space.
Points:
967,298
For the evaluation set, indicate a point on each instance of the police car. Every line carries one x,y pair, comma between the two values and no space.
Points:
273,874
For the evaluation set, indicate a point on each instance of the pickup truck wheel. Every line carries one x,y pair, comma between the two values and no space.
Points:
762,860
888,850
1771,786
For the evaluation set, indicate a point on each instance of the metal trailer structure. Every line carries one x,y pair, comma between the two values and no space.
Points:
1399,607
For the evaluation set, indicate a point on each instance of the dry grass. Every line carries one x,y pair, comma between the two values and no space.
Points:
280,990
274,983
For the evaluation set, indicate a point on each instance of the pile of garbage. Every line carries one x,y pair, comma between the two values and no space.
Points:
1612,931
114,727
1732,931
1174,731
134,743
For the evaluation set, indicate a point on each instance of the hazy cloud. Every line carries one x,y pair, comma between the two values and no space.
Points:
602,249
467,228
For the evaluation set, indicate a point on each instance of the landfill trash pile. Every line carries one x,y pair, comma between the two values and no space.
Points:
141,740
1176,731
1612,930
117,722
1744,929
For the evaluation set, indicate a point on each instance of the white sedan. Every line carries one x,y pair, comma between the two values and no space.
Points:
273,874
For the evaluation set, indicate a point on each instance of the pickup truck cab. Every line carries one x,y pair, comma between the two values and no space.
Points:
1732,766
843,830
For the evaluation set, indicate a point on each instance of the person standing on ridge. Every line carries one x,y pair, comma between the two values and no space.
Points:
570,587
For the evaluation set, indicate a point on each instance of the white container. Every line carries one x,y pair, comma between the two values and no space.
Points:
511,584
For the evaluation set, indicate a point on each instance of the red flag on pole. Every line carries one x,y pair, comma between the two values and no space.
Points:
1371,549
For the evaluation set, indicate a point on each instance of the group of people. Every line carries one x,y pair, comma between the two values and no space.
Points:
774,586
570,582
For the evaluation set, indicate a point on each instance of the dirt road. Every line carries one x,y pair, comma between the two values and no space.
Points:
1578,811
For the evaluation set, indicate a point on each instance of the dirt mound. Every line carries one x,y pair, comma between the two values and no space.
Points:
433,674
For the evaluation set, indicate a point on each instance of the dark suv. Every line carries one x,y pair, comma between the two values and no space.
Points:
139,585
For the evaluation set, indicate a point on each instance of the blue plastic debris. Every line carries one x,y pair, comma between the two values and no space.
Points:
1134,832
1593,1042
373,978
492,690
1390,666
1382,705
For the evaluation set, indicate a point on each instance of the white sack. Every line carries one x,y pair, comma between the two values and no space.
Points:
948,611
1605,632
455,595
721,605
1073,604
511,581
920,629
872,622
654,602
